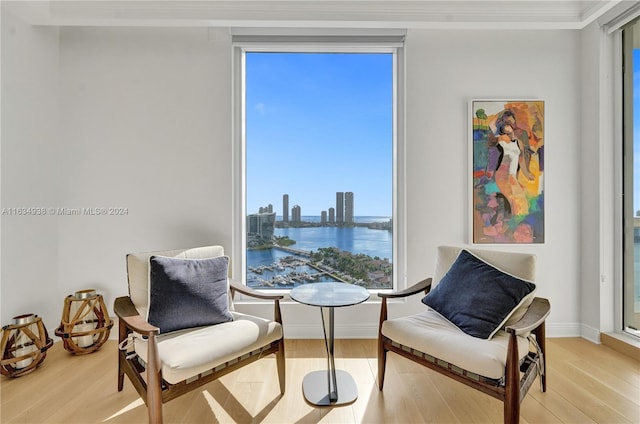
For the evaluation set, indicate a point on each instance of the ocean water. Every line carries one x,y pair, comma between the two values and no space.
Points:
351,239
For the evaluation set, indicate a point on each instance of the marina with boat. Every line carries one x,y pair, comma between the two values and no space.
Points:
292,270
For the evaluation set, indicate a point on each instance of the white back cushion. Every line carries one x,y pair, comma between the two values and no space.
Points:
522,265
138,271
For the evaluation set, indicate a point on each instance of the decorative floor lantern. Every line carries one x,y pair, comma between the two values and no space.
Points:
85,324
24,345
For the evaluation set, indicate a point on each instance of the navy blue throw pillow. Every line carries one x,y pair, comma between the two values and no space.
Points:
187,293
477,297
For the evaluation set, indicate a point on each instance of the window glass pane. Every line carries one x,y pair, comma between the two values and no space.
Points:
319,142
631,291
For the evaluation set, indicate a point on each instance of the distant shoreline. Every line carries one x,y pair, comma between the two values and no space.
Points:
357,219
310,221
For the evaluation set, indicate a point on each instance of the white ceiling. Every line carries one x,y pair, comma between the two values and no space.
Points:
456,14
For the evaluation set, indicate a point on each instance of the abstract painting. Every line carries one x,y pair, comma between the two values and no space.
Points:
507,171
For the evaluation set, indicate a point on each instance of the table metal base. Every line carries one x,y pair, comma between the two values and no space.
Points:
315,387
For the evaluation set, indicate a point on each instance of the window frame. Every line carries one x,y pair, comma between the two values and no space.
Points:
625,88
385,42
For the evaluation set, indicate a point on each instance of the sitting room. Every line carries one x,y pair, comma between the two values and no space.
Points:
319,211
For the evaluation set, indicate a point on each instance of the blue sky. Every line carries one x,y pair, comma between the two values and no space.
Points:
317,124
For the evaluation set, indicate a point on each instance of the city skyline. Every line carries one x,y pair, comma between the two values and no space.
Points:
343,212
315,122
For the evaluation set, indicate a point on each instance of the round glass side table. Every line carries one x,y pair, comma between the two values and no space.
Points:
330,387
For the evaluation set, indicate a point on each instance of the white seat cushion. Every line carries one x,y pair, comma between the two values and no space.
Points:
432,334
187,353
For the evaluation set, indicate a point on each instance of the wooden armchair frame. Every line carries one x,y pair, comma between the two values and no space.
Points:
513,388
154,390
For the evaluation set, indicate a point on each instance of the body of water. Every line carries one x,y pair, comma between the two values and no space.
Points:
352,239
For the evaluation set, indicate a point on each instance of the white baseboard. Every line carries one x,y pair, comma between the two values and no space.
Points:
563,329
589,333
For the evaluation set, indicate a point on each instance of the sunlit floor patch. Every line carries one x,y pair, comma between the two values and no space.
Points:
219,413
131,406
210,400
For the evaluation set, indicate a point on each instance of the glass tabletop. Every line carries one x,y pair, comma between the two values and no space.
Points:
329,294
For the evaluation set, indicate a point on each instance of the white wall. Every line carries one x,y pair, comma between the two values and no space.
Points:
601,188
145,123
597,175
29,170
445,69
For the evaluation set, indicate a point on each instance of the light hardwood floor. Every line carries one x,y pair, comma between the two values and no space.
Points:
587,383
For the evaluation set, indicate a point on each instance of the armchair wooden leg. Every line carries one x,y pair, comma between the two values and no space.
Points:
280,361
154,383
122,335
512,383
382,363
511,411
120,373
542,343
382,353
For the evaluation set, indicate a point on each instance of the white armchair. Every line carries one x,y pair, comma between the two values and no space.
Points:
502,361
179,361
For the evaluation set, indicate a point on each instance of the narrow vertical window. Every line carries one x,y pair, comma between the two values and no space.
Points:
631,180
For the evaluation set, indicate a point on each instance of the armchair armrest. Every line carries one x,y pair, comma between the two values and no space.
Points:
234,287
241,288
533,318
422,286
128,314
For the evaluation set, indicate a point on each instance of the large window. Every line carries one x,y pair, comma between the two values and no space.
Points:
631,183
319,190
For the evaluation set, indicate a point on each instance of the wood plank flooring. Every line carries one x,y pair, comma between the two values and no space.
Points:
586,383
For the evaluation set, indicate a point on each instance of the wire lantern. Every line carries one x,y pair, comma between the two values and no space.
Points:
85,323
24,345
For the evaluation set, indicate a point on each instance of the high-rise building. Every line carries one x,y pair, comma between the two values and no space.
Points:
261,225
340,207
332,215
323,217
270,208
296,214
285,208
348,207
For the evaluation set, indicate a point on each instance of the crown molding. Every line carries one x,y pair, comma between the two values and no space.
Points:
436,14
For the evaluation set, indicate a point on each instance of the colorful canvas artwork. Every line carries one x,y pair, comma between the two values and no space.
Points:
508,171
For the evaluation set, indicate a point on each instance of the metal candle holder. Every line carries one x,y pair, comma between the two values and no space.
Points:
85,324
24,344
